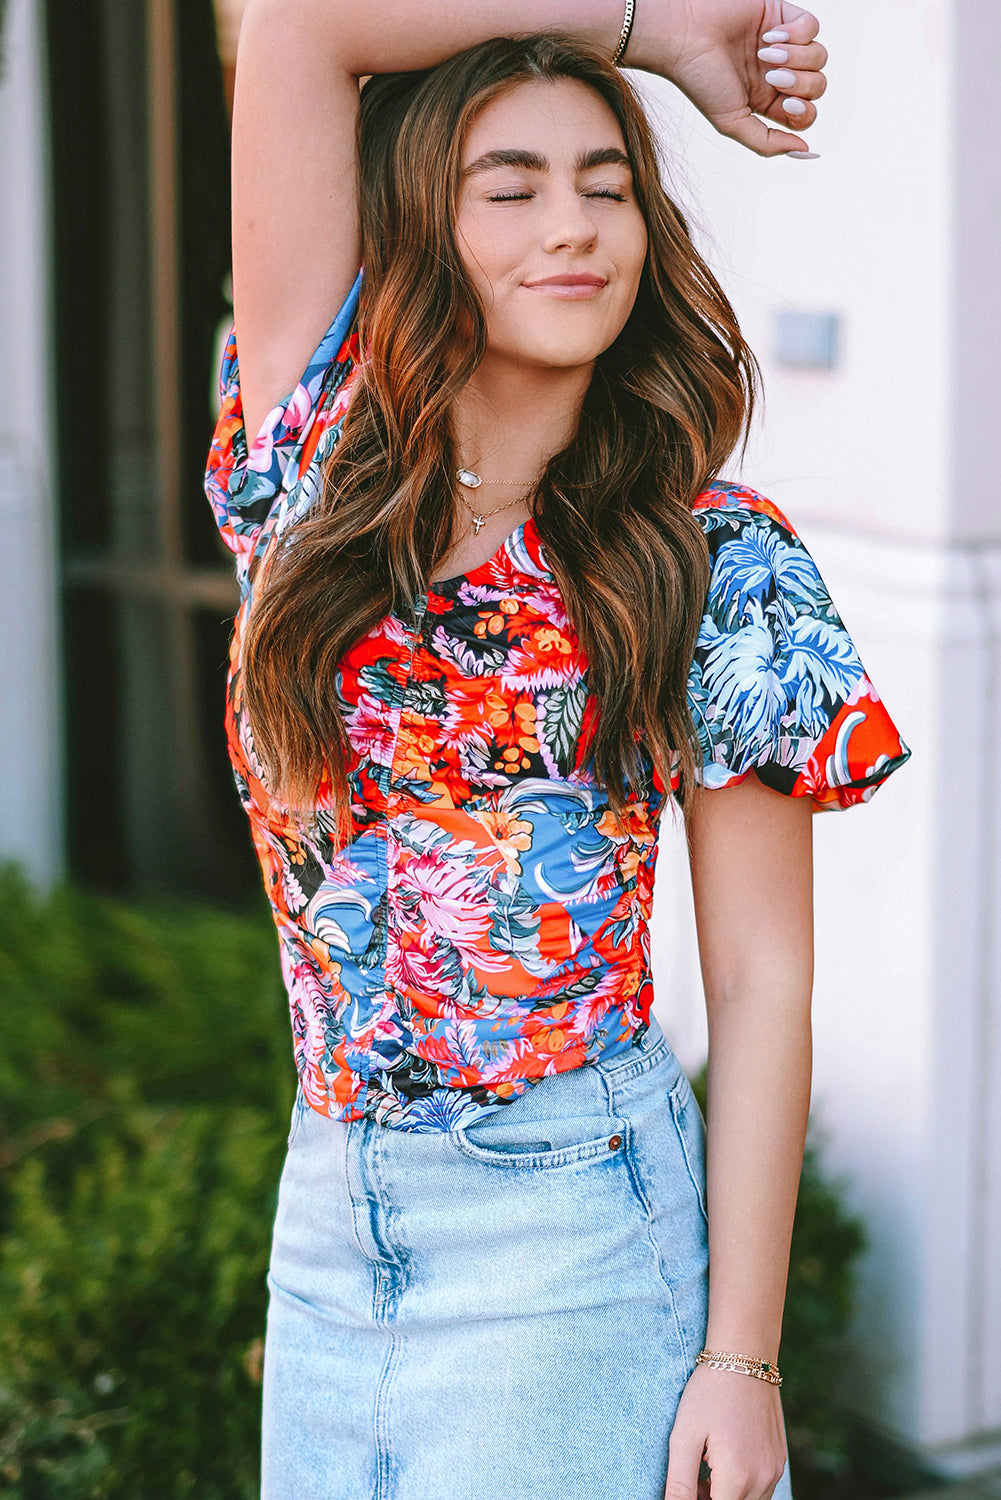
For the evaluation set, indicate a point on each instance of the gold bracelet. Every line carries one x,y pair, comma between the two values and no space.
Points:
627,26
741,1364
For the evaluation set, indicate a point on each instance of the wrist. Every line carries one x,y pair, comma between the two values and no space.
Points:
746,1340
653,45
629,15
732,1361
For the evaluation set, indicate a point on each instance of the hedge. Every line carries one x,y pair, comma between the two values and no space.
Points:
145,1089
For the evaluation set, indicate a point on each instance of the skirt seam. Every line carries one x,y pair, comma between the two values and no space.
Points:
383,1453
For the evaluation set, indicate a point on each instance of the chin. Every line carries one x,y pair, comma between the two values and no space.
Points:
558,354
557,344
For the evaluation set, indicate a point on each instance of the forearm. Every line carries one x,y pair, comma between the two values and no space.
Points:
760,1059
405,35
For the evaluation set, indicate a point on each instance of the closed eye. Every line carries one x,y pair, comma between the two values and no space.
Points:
613,194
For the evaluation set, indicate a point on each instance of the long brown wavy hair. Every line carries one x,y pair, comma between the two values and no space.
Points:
668,402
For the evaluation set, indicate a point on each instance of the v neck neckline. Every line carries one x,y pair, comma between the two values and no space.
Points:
442,584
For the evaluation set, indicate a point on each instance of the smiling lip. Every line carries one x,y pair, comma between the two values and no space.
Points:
574,285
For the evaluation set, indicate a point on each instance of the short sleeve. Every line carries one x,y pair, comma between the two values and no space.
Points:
776,684
252,490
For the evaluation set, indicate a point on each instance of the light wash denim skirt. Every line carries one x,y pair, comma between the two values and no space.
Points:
508,1309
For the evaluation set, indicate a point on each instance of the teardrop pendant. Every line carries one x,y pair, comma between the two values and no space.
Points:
468,478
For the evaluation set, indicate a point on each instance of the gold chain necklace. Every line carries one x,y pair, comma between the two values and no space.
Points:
470,480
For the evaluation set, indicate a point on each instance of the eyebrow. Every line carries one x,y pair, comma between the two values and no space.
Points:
532,161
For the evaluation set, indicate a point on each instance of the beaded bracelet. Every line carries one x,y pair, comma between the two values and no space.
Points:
627,26
741,1364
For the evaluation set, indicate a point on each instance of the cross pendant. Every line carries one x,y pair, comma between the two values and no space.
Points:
478,521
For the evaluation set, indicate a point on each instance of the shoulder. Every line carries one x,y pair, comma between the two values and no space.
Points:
725,508
253,479
759,566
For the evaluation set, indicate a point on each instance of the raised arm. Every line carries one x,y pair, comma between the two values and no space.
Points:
295,211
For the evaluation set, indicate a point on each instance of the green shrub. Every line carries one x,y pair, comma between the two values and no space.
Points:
183,999
145,1091
134,1306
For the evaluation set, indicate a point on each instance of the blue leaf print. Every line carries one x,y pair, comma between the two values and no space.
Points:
796,577
698,705
512,885
713,520
819,667
743,571
443,1109
761,564
744,689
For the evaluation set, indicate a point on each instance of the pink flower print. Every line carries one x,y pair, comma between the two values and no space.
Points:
284,421
370,731
429,888
389,631
312,1013
547,604
591,1010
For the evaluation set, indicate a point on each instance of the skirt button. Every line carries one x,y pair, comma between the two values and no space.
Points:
614,1142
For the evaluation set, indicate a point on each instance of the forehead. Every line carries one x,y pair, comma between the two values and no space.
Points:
558,118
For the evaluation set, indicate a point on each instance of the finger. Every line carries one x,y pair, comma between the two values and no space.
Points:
812,59
683,1471
802,85
801,25
794,114
760,138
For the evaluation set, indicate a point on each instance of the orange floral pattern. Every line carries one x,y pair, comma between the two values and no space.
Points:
487,923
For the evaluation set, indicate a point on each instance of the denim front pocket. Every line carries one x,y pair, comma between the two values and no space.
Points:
547,1130
544,1144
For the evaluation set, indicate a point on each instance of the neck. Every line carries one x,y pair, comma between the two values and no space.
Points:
511,418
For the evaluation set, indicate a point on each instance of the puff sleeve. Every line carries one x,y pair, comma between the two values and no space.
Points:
252,489
776,684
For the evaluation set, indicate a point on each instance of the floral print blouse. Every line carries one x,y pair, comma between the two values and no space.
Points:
487,924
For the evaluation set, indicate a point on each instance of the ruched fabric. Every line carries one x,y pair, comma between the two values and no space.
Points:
487,924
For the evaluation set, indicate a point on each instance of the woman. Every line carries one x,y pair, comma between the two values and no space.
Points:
496,607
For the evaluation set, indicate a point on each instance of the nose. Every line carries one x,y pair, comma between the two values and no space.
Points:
571,224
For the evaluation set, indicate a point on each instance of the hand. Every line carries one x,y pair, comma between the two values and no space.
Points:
709,50
735,1422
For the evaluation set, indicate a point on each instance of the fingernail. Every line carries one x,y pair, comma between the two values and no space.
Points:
775,36
773,54
803,155
794,106
781,78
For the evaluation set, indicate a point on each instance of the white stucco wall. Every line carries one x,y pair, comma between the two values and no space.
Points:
882,465
31,814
